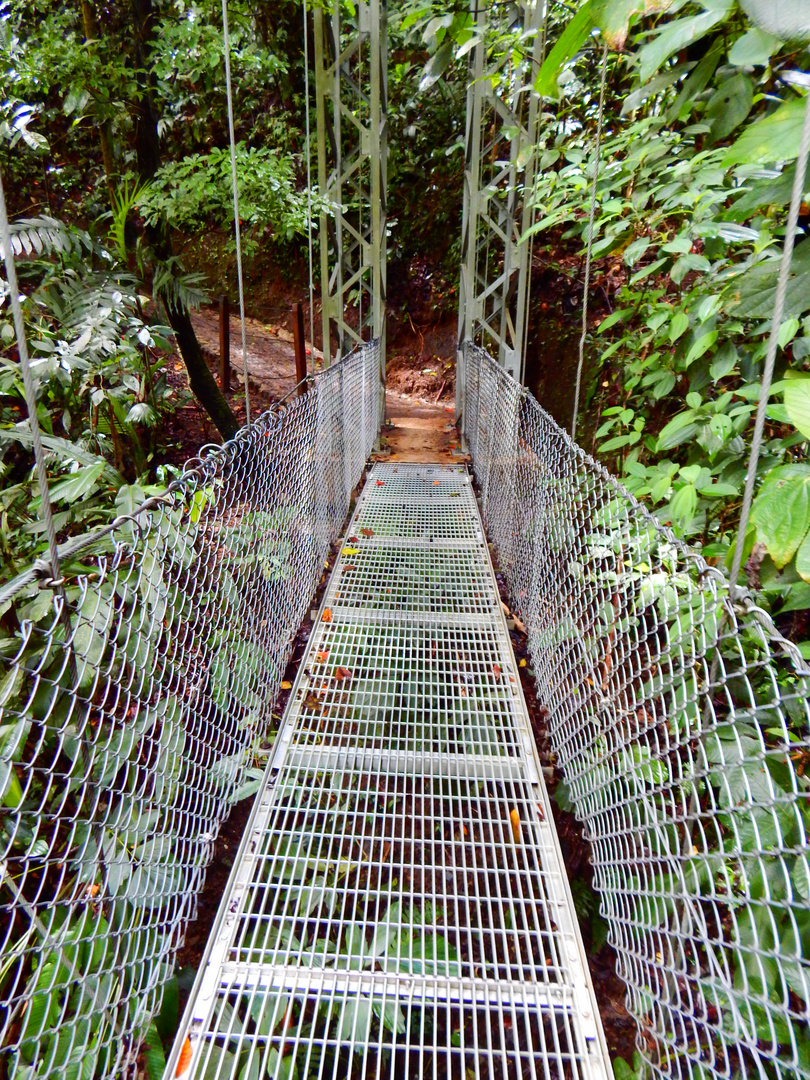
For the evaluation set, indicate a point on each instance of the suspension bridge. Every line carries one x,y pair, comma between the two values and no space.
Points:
399,905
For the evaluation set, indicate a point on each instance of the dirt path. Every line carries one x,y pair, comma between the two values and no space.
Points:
270,355
421,432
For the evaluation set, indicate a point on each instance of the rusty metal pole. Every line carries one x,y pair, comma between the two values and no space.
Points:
300,348
224,343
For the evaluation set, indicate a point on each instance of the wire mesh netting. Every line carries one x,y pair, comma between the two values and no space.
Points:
680,721
135,690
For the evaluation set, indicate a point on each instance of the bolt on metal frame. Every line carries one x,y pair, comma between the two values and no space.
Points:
399,905
501,135
351,86
681,721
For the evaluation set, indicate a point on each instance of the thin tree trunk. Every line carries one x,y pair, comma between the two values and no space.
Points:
203,384
91,33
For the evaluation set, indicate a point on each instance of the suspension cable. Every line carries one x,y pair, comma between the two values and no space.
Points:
30,392
232,137
773,341
309,194
589,247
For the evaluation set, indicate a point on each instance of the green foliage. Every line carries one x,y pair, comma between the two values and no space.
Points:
98,369
195,192
689,229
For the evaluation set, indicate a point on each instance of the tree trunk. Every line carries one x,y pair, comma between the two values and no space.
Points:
91,33
203,384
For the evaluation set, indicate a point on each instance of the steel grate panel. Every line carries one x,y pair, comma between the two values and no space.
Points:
409,519
378,1028
424,689
399,905
416,876
434,578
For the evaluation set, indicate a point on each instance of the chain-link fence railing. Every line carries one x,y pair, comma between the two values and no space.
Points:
681,723
133,693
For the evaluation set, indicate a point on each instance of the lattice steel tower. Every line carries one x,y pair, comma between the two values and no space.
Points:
351,60
502,117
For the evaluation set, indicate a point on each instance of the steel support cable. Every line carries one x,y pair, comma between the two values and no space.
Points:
309,192
589,248
773,342
237,231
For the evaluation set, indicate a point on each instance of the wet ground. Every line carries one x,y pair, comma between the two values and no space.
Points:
420,431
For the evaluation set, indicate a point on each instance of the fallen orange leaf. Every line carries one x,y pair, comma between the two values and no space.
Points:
515,819
342,673
380,483
367,532
327,615
322,656
496,670
184,1060
286,685
345,568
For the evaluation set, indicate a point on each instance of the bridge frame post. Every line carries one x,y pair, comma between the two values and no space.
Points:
351,87
502,123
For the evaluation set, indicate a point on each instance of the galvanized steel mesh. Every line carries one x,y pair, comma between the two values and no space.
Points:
680,722
134,692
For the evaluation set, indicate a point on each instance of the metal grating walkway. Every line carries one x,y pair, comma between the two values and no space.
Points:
399,905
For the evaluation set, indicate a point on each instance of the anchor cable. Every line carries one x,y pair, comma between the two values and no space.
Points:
236,224
589,247
773,342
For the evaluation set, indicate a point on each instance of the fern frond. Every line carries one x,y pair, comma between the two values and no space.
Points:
46,236
178,289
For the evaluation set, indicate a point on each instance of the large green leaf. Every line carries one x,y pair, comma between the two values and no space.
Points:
773,138
78,484
787,18
678,35
781,514
753,48
436,65
683,427
613,17
729,105
803,560
154,1058
797,402
753,292
566,45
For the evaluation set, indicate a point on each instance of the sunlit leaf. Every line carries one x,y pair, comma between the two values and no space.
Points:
773,138
797,403
567,44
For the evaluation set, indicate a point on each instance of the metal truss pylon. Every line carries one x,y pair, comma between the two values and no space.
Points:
502,120
351,60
